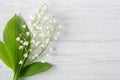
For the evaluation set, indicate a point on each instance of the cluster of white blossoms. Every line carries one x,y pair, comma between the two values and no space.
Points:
22,41
44,29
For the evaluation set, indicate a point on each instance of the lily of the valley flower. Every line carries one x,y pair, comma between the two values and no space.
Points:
20,62
25,43
18,38
28,33
24,26
21,47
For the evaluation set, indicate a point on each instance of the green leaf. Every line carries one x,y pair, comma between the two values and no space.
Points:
12,30
34,68
5,55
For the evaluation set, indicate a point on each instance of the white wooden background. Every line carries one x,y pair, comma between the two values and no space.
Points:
89,48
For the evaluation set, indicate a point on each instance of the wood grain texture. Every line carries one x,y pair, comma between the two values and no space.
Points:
89,48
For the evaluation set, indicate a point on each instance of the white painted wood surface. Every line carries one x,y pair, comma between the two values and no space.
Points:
89,48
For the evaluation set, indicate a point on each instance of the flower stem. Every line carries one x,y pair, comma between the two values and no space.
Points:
16,77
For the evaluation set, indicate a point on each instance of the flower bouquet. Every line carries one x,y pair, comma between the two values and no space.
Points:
22,45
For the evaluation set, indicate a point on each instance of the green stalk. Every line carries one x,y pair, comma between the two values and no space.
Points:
16,76
16,73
